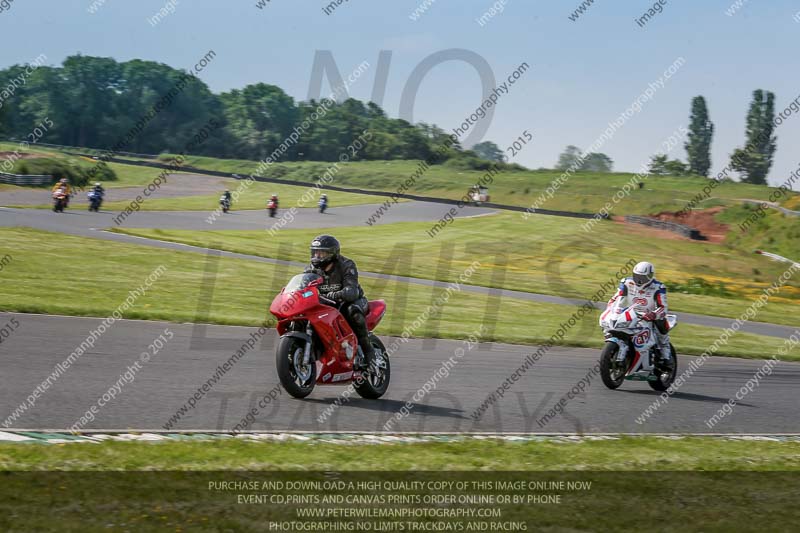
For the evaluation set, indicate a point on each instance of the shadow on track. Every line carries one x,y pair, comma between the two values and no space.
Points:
688,396
392,406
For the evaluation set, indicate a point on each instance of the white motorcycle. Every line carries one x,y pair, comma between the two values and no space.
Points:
632,351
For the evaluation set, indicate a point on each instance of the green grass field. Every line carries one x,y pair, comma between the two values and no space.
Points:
550,255
709,484
614,455
584,192
249,287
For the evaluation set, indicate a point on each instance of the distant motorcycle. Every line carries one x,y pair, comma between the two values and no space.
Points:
272,205
59,200
323,204
95,200
632,352
225,203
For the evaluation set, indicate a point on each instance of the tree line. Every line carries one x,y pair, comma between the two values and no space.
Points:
752,161
95,102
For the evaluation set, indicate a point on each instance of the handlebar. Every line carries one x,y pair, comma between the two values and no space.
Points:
328,301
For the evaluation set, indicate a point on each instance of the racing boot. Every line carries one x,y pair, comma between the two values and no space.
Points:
666,350
368,359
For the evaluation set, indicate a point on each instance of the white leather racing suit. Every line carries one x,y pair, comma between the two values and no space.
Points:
652,297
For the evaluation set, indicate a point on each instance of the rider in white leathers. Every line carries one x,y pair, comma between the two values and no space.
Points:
648,296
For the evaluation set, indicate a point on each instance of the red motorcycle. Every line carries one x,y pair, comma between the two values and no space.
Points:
318,346
272,206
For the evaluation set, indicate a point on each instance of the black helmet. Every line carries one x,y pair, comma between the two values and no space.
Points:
324,249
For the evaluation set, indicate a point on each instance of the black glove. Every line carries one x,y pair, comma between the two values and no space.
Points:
336,296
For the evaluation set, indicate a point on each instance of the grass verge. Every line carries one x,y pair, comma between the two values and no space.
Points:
240,291
709,484
549,255
585,192
614,455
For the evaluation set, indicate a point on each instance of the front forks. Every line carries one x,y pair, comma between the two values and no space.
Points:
307,350
622,353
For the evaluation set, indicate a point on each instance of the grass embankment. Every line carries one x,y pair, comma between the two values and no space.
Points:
550,255
584,192
243,289
766,229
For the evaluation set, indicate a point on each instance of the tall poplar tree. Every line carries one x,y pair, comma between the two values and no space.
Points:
701,130
755,159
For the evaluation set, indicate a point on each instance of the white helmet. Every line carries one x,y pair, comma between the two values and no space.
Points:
643,274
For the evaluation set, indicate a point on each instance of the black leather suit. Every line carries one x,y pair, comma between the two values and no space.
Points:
341,285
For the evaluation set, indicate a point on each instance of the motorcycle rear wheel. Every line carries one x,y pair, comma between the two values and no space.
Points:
368,384
611,371
660,385
299,383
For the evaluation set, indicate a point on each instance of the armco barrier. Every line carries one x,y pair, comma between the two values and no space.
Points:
25,181
674,227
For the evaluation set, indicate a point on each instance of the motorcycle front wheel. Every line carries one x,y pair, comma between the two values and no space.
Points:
371,383
612,371
663,384
297,379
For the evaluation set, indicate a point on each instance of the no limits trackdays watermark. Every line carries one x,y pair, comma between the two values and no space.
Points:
434,309
94,335
292,139
647,95
313,192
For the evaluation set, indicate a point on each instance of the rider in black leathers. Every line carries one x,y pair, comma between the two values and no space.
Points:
341,285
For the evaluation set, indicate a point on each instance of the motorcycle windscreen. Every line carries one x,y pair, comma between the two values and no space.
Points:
297,297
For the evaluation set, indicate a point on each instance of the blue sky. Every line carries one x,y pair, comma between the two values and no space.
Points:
584,73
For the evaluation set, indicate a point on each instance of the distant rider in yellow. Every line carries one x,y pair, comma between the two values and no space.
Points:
63,184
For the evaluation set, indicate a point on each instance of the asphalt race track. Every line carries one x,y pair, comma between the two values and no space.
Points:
79,220
176,372
190,359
